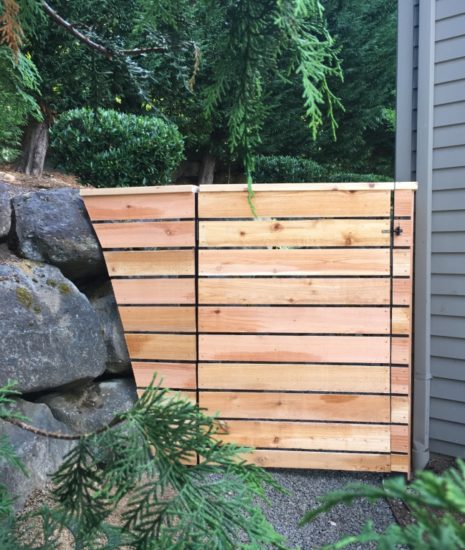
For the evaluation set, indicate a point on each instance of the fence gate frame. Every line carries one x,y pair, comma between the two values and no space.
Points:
295,325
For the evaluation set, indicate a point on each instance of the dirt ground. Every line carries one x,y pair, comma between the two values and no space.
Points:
48,180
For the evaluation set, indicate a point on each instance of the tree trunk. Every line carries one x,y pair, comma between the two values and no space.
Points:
35,146
207,169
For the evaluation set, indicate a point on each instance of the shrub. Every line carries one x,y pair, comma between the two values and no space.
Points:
281,169
436,503
277,169
111,149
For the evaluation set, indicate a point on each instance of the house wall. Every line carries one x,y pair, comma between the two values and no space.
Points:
431,110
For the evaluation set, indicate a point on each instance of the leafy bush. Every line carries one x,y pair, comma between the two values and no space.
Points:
143,468
277,169
436,503
283,169
111,149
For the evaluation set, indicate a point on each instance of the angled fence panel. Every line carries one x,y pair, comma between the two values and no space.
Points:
294,324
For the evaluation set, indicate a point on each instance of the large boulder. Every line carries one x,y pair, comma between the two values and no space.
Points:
7,192
103,301
52,226
50,335
88,408
40,455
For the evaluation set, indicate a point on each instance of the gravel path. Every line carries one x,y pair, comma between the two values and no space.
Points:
304,487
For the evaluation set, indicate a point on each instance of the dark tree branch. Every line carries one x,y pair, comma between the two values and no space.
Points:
56,435
103,50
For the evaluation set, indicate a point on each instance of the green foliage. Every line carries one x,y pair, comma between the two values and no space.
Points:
282,169
436,502
139,469
111,149
19,80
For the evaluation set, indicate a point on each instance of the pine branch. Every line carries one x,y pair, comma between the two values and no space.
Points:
87,41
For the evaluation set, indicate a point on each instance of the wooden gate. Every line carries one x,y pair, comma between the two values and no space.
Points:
295,326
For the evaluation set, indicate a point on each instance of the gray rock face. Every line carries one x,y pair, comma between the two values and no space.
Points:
93,406
40,455
49,333
7,192
51,226
104,304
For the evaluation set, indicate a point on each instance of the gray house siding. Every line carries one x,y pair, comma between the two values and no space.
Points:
447,428
438,162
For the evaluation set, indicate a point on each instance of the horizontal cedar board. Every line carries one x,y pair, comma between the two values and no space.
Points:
400,463
401,291
308,435
175,347
275,458
158,319
323,349
289,377
189,395
150,262
401,351
275,291
154,291
403,203
294,320
400,409
139,207
296,204
145,234
295,233
295,406
402,262
401,320
400,380
295,262
400,440
171,375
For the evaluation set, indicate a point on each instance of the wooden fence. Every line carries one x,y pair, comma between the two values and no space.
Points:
295,325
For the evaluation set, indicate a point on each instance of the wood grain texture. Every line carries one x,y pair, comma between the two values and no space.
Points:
296,262
400,463
140,206
163,347
295,233
297,204
406,237
400,440
400,380
400,351
307,435
179,376
295,406
319,349
145,234
154,291
150,262
401,262
291,377
137,190
399,409
401,320
158,319
354,462
317,320
402,292
404,202
323,186
304,291
189,395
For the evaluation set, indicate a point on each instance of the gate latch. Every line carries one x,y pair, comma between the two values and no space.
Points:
396,231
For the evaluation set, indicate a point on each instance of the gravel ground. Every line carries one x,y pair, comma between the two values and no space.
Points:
304,486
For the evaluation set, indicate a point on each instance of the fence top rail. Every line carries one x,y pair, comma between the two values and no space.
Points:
231,187
355,186
145,190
